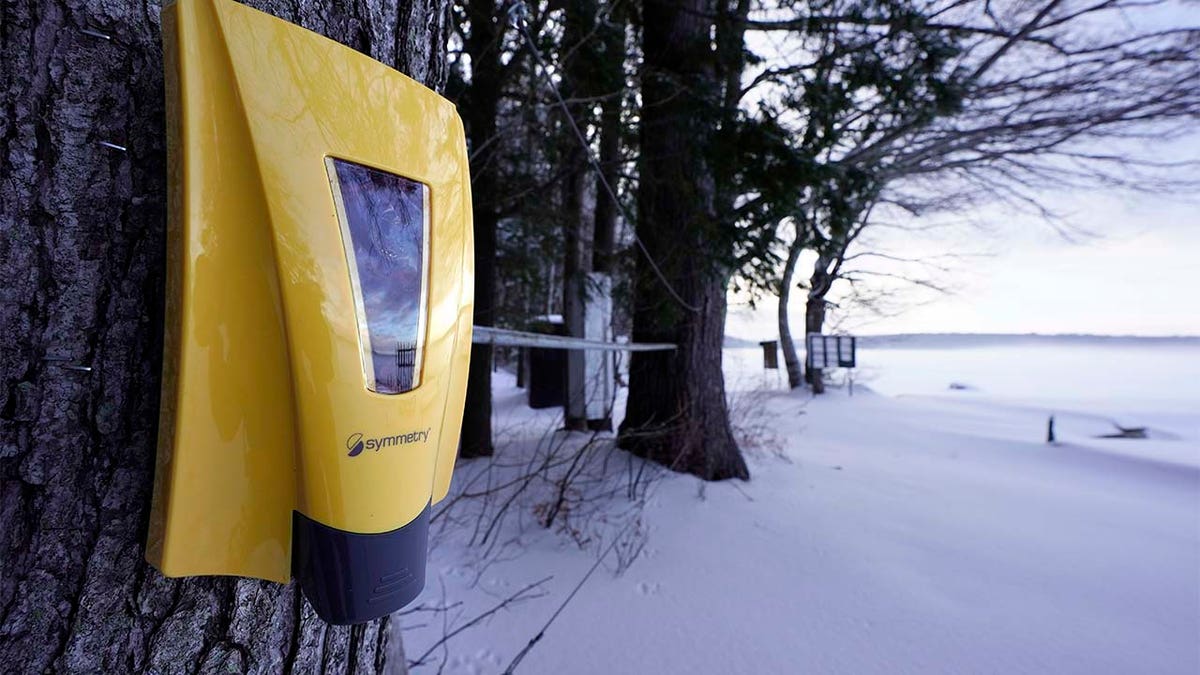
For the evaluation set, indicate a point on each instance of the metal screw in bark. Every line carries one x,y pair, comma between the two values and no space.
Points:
60,361
95,33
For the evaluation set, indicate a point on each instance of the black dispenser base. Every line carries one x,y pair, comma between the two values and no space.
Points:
350,577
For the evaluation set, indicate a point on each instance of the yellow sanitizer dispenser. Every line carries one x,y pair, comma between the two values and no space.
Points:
318,317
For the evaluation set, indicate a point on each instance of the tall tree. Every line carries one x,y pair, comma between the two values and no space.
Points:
81,284
580,59
795,373
947,105
875,65
480,104
676,412
592,60
610,81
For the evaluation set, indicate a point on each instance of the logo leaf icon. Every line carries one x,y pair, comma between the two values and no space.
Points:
354,444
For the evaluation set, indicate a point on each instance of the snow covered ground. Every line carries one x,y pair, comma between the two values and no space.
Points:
910,528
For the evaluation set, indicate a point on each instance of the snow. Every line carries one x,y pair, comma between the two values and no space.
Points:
907,529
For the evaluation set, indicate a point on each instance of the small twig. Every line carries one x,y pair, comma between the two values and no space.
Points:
425,608
515,597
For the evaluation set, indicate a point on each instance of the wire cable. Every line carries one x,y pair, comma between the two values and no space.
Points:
517,11
512,666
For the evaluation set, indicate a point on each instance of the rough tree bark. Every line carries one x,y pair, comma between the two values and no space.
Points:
588,59
814,313
578,62
480,106
791,360
677,413
81,282
576,265
611,84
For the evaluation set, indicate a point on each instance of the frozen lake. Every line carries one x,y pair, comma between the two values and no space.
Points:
911,528
1162,377
1128,380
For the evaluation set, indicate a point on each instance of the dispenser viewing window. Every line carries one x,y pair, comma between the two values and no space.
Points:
385,229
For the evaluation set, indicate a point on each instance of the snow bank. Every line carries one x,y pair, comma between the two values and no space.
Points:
888,534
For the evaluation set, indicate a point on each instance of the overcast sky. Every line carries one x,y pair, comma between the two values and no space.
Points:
1139,274
1140,277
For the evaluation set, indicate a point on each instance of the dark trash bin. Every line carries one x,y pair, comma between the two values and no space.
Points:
547,367
770,354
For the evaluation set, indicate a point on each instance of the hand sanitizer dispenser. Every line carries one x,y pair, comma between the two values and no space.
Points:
318,314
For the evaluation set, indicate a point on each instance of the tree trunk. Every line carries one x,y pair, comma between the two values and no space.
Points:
791,360
814,318
814,314
582,65
479,108
574,290
677,414
611,84
575,269
81,297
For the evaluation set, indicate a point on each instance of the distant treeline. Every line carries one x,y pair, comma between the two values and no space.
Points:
963,340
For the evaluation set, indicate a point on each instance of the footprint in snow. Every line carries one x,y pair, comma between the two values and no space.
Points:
481,662
488,657
457,572
649,587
